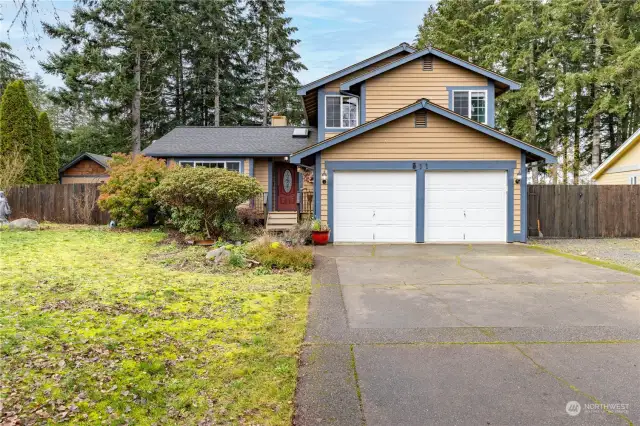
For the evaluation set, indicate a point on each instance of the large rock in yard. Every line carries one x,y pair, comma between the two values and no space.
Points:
23,223
218,255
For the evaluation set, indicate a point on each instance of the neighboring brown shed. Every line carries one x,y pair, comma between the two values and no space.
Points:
85,168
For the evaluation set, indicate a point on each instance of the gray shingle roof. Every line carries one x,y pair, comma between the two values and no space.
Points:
229,141
100,159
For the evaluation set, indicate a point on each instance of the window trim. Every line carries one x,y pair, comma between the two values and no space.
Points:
469,91
193,163
341,96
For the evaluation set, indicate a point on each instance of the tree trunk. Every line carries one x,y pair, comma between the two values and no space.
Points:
217,94
595,145
265,113
565,160
135,105
183,113
533,113
576,139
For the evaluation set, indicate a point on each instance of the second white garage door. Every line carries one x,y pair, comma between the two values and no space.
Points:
466,206
374,206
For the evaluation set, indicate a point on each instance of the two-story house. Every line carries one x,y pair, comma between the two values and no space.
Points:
402,148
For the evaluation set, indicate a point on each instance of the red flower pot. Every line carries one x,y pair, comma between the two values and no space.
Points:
320,238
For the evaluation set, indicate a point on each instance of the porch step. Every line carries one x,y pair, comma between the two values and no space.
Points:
281,221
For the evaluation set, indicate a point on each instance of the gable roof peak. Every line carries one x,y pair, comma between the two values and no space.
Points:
511,84
402,47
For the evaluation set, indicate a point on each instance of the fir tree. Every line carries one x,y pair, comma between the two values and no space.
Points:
49,148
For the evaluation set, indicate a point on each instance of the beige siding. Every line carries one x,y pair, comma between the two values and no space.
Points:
261,172
334,86
630,161
82,179
442,140
406,84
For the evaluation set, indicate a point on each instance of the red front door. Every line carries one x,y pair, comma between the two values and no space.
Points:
287,187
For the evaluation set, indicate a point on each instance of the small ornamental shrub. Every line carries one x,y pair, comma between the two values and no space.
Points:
126,195
200,199
299,258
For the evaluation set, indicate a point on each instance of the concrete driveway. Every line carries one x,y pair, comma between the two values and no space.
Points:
468,335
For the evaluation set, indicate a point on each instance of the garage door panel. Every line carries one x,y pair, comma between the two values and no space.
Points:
465,206
374,206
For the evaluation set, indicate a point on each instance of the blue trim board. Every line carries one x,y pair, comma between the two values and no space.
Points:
209,155
420,166
317,187
321,114
251,172
491,104
421,104
363,103
403,47
269,183
513,85
420,205
212,159
491,99
524,224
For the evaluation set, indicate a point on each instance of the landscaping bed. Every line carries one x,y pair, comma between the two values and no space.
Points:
98,326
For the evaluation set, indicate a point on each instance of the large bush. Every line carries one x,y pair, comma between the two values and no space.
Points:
204,199
126,195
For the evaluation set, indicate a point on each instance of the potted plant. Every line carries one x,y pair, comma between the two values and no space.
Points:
320,233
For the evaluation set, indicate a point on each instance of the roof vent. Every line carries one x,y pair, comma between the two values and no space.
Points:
427,63
421,118
300,132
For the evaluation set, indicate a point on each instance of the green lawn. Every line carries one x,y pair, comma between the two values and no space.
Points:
93,330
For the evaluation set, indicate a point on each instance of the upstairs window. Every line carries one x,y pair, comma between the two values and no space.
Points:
471,104
341,112
234,166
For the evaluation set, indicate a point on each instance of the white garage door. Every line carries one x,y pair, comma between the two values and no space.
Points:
466,206
374,206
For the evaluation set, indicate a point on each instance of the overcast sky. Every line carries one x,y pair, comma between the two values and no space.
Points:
333,34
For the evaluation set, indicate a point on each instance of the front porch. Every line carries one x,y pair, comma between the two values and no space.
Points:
280,220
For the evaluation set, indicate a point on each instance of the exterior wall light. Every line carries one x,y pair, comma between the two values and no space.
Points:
324,177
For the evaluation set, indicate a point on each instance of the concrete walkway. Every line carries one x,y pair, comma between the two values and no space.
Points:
460,334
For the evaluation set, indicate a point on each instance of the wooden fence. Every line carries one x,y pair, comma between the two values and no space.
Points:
68,203
584,211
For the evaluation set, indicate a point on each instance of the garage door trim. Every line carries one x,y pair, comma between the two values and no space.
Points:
420,166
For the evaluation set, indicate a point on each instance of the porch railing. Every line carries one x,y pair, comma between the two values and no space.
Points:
305,204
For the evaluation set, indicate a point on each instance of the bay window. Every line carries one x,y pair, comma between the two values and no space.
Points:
471,104
341,111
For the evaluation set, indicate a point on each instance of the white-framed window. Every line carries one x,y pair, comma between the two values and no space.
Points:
633,180
229,165
341,111
471,104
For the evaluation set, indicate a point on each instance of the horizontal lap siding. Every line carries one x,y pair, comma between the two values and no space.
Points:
406,84
443,139
628,159
261,172
334,86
